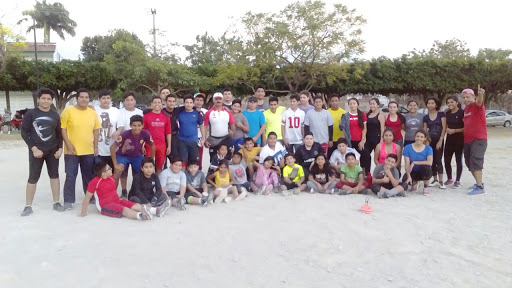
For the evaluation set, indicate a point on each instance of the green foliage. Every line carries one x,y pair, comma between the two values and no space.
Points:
450,49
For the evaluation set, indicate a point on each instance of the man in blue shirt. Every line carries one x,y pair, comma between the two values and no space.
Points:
256,121
188,120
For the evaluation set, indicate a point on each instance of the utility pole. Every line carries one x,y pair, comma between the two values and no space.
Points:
35,51
153,12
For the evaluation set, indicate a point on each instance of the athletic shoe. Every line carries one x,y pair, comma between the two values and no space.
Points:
124,194
448,182
296,191
27,211
401,194
311,191
433,183
331,191
441,185
181,203
382,194
268,189
210,197
474,186
286,192
160,210
223,194
58,207
261,190
145,214
243,194
341,192
477,191
227,199
456,185
426,192
366,191
414,187
68,205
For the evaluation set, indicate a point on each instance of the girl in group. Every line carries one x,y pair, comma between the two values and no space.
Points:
322,178
223,183
413,122
386,147
374,126
266,177
435,124
396,122
355,121
418,160
454,140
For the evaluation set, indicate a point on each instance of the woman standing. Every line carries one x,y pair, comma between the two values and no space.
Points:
386,147
396,122
355,120
418,159
454,140
413,122
435,123
374,125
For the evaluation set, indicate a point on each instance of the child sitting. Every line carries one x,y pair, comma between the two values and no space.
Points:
386,179
237,169
293,176
322,177
146,188
250,153
338,156
197,189
174,183
103,187
266,178
223,184
352,177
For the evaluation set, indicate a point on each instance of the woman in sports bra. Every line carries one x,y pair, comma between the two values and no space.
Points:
387,146
374,126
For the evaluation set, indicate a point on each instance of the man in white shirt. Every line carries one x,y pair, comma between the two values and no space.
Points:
221,125
108,133
292,127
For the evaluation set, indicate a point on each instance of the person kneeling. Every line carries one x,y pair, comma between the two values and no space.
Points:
197,189
103,187
351,177
293,177
386,179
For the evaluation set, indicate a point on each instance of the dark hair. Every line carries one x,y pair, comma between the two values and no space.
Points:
350,154
104,92
271,134
296,97
389,130
235,101
326,169
192,162
376,101
318,97
81,90
437,101
128,94
305,92
391,155
172,95
136,118
334,96
99,168
175,159
309,134
220,146
237,154
162,89
341,140
156,97
290,155
226,90
146,160
400,116
187,97
269,158
45,91
248,139
360,120
412,101
259,87
425,133
273,99
223,162
456,99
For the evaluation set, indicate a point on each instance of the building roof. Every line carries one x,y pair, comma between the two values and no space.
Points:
43,47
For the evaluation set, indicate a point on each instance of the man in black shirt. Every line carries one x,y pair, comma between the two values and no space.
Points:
307,152
42,133
172,112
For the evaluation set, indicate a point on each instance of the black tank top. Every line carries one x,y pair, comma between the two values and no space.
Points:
373,128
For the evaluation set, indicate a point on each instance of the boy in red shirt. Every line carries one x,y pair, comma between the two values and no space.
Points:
103,188
159,126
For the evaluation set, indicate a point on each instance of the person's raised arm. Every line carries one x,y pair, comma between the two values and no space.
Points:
480,96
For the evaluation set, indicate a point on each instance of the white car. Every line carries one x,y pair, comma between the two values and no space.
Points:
498,118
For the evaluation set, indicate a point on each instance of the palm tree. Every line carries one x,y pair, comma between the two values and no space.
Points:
50,17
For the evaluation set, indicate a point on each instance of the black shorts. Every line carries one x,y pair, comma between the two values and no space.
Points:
188,194
289,186
474,153
173,195
36,165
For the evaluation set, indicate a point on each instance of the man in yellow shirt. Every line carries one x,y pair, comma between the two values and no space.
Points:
336,113
80,129
273,119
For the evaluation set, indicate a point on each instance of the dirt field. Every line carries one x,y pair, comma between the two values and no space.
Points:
447,239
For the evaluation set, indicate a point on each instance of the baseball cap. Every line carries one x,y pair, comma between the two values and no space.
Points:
468,91
253,99
199,95
218,95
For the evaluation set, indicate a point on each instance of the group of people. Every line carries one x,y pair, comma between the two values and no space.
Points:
263,149
10,121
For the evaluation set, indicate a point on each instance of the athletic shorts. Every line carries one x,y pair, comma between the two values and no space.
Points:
290,186
160,155
189,194
134,161
173,195
474,153
115,208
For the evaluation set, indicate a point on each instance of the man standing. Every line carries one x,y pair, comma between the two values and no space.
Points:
292,125
256,121
42,133
475,136
189,118
159,126
320,122
262,103
171,112
80,129
273,118
221,125
227,98
108,133
336,113
304,101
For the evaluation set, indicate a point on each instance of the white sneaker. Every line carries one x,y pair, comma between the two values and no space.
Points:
311,191
227,199
441,185
433,183
242,195
223,194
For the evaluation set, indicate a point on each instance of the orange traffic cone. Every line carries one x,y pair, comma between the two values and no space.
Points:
366,208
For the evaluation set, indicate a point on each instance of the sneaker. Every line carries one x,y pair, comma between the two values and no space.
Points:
382,194
221,196
366,191
267,191
244,194
160,210
209,197
286,192
181,203
448,182
145,214
311,191
477,191
296,191
441,185
261,190
414,187
474,186
401,194
58,207
27,211
426,192
331,191
124,194
456,185
9,133
341,192
227,199
433,183
68,205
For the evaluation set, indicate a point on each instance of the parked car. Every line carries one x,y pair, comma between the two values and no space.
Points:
401,109
498,118
141,106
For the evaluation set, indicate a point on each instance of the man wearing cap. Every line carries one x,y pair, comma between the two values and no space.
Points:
256,119
221,125
475,136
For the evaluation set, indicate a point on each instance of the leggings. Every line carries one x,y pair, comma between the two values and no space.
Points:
369,147
365,156
454,145
437,163
422,172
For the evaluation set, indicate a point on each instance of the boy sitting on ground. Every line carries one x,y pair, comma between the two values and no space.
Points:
338,156
197,188
103,187
174,183
352,178
293,176
386,179
237,168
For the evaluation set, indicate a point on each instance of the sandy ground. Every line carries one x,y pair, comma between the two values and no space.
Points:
447,239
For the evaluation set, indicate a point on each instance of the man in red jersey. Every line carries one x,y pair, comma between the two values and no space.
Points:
159,126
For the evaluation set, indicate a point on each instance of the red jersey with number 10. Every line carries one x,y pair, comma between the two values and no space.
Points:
158,126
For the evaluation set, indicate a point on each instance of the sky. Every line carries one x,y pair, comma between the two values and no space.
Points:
393,27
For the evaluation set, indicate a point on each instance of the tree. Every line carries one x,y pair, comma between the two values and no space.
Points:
95,48
9,42
50,17
450,49
494,54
